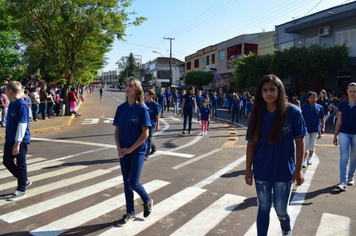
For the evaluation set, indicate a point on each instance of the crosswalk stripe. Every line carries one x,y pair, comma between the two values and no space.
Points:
29,161
161,210
210,216
196,159
90,213
328,223
44,176
34,168
160,152
58,201
59,184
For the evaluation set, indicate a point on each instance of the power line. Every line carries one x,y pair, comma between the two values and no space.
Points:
313,7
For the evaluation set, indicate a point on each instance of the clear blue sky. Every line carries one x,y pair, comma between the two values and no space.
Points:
196,24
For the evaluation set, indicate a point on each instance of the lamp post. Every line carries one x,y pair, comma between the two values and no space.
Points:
170,68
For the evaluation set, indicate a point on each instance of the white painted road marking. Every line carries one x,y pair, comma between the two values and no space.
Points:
90,121
195,159
331,225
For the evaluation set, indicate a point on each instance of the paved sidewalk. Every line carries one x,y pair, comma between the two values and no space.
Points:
59,122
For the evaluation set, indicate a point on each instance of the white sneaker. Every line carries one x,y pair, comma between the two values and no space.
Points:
309,162
351,181
342,186
287,234
305,163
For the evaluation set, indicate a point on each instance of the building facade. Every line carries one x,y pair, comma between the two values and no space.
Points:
110,77
333,26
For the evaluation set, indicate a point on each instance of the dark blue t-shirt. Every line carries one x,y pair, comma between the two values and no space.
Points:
213,100
277,162
161,97
168,95
205,112
235,103
18,112
204,95
348,125
189,102
153,111
175,97
200,101
312,116
249,106
130,119
181,98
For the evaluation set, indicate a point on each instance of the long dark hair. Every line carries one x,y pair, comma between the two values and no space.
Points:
190,91
259,107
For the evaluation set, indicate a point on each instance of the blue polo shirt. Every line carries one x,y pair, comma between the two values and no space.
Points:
200,101
204,95
277,162
205,113
348,125
130,119
249,106
18,112
189,102
235,103
213,100
161,97
168,95
153,111
312,116
181,98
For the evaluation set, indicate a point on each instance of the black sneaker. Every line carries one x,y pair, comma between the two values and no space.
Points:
153,151
147,208
125,219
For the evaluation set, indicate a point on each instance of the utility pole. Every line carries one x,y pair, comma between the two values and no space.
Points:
170,60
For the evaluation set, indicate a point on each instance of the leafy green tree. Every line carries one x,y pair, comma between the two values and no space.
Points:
250,69
198,78
75,35
10,56
128,67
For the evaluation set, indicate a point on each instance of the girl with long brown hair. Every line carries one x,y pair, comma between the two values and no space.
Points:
274,126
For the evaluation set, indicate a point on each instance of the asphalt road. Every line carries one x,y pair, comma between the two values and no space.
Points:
197,183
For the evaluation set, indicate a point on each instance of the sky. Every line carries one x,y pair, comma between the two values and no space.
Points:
196,24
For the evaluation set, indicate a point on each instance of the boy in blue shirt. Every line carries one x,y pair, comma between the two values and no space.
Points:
154,117
235,106
214,103
175,98
17,138
161,100
199,104
168,97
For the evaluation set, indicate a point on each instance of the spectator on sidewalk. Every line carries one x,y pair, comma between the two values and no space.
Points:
27,98
16,139
73,100
4,104
50,103
35,100
43,98
58,101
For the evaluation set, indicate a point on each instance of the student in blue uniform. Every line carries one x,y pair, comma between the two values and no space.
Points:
211,111
132,123
161,100
273,127
205,116
199,104
188,105
168,98
214,103
243,99
313,113
154,117
181,100
249,105
346,129
324,101
235,106
230,99
17,137
175,101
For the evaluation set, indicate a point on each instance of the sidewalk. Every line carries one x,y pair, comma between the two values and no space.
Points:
40,126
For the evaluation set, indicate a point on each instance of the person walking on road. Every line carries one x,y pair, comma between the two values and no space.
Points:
161,100
235,107
199,104
313,114
154,117
205,117
175,101
101,93
345,128
273,127
132,122
17,138
188,105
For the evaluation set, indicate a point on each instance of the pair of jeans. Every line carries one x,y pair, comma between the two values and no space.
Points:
215,111
131,168
176,111
50,106
35,108
150,144
161,108
18,170
281,195
198,113
347,145
43,109
4,116
187,113
235,112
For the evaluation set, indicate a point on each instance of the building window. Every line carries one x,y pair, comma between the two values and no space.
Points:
196,63
286,45
347,37
212,58
207,60
222,55
189,65
309,42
